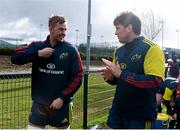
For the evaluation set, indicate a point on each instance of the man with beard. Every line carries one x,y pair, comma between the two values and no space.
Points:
56,75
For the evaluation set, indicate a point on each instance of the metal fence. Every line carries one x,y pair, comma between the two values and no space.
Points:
100,95
15,101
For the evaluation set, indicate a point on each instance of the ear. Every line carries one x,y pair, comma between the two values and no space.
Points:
129,28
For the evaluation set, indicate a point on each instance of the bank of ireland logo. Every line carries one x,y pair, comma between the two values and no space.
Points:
135,57
122,66
63,56
51,66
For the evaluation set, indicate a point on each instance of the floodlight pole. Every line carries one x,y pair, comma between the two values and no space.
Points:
162,30
177,38
77,30
88,36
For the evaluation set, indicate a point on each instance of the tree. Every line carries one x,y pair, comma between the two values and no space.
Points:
151,25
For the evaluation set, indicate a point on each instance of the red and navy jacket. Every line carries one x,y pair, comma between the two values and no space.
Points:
142,64
57,76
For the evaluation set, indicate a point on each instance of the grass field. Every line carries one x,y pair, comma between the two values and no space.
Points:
15,102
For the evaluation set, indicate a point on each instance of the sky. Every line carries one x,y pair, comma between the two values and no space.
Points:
27,19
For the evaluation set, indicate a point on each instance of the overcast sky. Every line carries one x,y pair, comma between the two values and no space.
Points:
25,18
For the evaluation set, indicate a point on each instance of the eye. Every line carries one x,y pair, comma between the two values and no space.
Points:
62,29
117,28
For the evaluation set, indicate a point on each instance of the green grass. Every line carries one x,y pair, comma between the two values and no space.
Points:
15,102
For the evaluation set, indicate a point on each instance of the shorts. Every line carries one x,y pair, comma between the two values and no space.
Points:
42,115
116,122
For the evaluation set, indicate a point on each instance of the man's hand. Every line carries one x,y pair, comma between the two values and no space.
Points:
112,68
106,74
57,103
46,52
174,116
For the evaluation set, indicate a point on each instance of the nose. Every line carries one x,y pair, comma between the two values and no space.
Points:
115,32
64,30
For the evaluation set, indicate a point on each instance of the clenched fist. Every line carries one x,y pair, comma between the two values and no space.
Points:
57,103
46,52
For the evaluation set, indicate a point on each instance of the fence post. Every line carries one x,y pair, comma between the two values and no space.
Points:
85,101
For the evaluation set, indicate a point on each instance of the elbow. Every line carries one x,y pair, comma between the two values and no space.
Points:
16,60
13,60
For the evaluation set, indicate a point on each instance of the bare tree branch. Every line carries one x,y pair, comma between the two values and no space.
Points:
151,25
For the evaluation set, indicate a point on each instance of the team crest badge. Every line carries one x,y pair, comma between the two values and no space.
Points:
122,66
63,56
135,57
